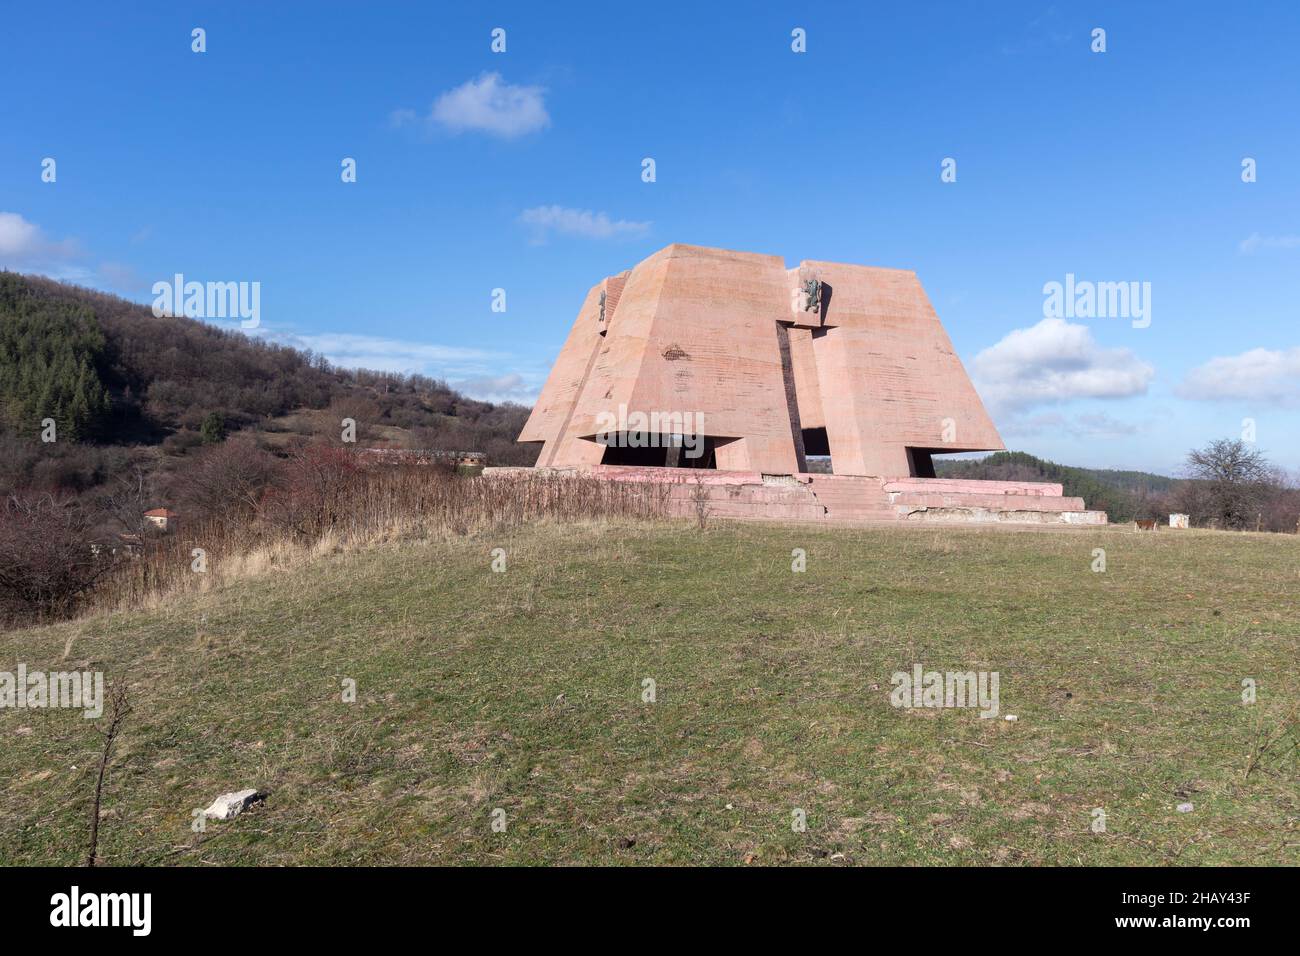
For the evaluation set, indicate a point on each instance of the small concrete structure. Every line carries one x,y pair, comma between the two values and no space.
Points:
731,365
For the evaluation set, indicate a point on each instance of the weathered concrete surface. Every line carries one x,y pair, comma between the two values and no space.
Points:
842,498
771,363
973,486
727,334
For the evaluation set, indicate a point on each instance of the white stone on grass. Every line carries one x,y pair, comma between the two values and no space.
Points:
230,805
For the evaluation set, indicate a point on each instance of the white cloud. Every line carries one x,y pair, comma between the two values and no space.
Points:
402,117
1254,242
1055,361
502,388
389,355
1101,425
23,244
1092,425
578,222
487,104
121,277
472,372
1259,375
18,237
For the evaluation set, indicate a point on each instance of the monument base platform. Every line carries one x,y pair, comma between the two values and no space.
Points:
752,495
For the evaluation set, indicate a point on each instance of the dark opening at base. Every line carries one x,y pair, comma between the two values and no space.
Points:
817,451
662,453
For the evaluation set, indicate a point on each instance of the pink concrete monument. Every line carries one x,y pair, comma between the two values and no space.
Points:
728,361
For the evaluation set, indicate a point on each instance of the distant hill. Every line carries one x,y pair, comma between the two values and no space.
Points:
113,375
127,387
1138,481
1123,495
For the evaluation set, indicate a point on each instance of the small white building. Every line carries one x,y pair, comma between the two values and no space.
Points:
161,518
1179,521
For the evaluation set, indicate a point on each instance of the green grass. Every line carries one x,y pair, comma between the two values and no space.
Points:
522,691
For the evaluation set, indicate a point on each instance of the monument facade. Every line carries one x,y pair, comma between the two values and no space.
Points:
776,365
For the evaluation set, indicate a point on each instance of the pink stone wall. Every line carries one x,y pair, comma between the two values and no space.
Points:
889,375
694,329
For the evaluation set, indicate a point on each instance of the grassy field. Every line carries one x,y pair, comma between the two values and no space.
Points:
523,690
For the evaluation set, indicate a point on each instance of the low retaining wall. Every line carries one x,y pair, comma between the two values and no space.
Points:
847,498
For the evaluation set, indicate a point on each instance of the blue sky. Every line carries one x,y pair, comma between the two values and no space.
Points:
522,170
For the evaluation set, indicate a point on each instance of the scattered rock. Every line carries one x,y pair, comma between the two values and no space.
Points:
1186,807
230,805
1011,717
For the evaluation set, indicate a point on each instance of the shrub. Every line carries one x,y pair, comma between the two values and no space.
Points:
47,562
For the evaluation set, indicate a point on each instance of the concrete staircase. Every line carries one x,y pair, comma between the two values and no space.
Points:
977,501
849,498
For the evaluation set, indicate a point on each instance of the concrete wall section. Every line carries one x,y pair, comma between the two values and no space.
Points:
694,331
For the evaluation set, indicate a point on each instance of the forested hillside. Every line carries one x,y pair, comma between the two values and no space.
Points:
1123,495
114,376
52,363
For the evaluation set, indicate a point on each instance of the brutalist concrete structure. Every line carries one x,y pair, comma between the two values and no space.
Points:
728,361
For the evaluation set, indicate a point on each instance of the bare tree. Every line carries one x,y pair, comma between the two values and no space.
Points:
701,502
226,481
1281,511
316,492
1235,480
119,707
131,495
47,562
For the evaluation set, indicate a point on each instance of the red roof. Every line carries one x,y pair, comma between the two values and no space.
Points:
160,513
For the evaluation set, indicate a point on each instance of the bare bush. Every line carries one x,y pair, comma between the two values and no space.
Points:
47,562
226,481
315,492
334,495
700,502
